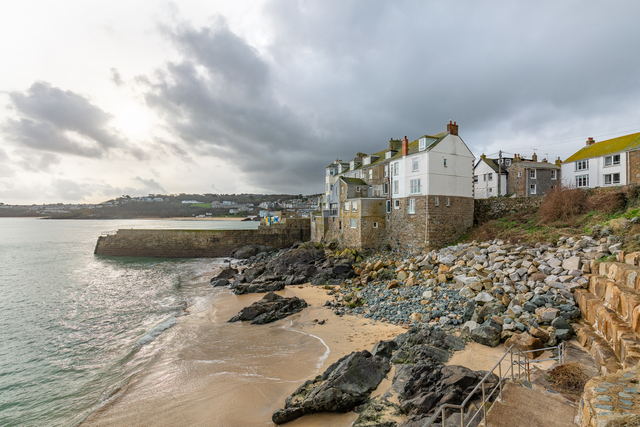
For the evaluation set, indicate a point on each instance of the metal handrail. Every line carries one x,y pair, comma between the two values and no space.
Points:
442,410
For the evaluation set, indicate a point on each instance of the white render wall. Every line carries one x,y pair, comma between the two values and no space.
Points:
481,188
456,179
596,171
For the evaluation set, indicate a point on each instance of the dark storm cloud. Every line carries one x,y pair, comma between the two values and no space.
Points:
54,120
341,77
151,185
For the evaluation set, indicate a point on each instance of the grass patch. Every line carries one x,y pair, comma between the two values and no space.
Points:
200,205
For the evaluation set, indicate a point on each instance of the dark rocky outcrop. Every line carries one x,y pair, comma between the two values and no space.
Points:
486,335
270,308
257,288
219,282
430,385
248,251
226,272
344,385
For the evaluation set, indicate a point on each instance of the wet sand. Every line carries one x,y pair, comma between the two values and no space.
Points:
213,373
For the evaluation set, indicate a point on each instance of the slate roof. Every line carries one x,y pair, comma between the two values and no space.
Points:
493,164
610,146
537,165
353,181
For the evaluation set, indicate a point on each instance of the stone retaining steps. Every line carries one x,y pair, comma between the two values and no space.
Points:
611,310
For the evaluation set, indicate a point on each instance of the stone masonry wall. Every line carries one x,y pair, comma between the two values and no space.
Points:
407,231
199,243
633,168
448,223
495,208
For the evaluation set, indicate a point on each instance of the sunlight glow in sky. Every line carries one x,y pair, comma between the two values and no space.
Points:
100,99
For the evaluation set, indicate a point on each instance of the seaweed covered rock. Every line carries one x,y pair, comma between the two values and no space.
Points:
344,385
270,308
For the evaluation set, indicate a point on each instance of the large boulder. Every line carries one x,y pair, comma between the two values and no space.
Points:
248,251
257,288
429,385
226,272
344,385
525,342
270,308
486,335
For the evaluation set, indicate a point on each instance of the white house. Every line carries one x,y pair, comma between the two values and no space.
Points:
485,177
605,163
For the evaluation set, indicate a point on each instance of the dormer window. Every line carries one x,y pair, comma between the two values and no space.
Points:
367,161
423,144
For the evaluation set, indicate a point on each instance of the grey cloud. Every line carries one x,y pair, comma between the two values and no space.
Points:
342,77
38,162
116,78
69,190
54,120
151,185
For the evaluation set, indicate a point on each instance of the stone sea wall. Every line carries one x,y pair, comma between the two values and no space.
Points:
200,243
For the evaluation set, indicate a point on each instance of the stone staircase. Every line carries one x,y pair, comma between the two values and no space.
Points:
610,306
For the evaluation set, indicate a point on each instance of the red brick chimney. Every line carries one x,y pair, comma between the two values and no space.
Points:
391,144
590,141
405,146
452,128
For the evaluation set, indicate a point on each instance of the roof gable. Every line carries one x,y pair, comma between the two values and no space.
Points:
610,146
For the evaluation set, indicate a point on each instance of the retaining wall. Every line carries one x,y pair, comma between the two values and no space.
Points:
495,208
200,243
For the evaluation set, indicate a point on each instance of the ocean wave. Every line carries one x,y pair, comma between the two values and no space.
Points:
327,349
156,330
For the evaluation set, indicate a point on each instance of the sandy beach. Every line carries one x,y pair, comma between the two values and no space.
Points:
213,373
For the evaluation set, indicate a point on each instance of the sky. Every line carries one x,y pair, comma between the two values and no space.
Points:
103,99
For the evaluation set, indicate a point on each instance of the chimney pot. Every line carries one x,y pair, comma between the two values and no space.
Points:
452,128
534,157
590,141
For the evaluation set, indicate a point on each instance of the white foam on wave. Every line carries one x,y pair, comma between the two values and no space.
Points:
327,349
156,330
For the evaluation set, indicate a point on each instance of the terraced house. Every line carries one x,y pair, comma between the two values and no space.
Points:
410,195
606,163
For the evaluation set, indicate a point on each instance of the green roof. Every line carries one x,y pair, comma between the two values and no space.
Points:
353,181
611,146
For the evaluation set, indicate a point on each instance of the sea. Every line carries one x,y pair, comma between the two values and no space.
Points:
77,330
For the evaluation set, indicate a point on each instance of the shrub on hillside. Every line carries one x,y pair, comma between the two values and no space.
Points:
563,203
609,202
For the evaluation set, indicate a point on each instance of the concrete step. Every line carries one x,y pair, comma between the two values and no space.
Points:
625,301
604,357
608,324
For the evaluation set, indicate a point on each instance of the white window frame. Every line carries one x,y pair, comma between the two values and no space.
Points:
484,177
386,171
519,174
612,160
414,186
582,181
532,189
388,206
445,163
532,173
582,165
554,174
396,204
415,164
395,168
396,187
448,201
610,179
475,178
490,176
412,206
436,201
385,188
347,206
375,225
354,206
370,173
422,144
353,222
